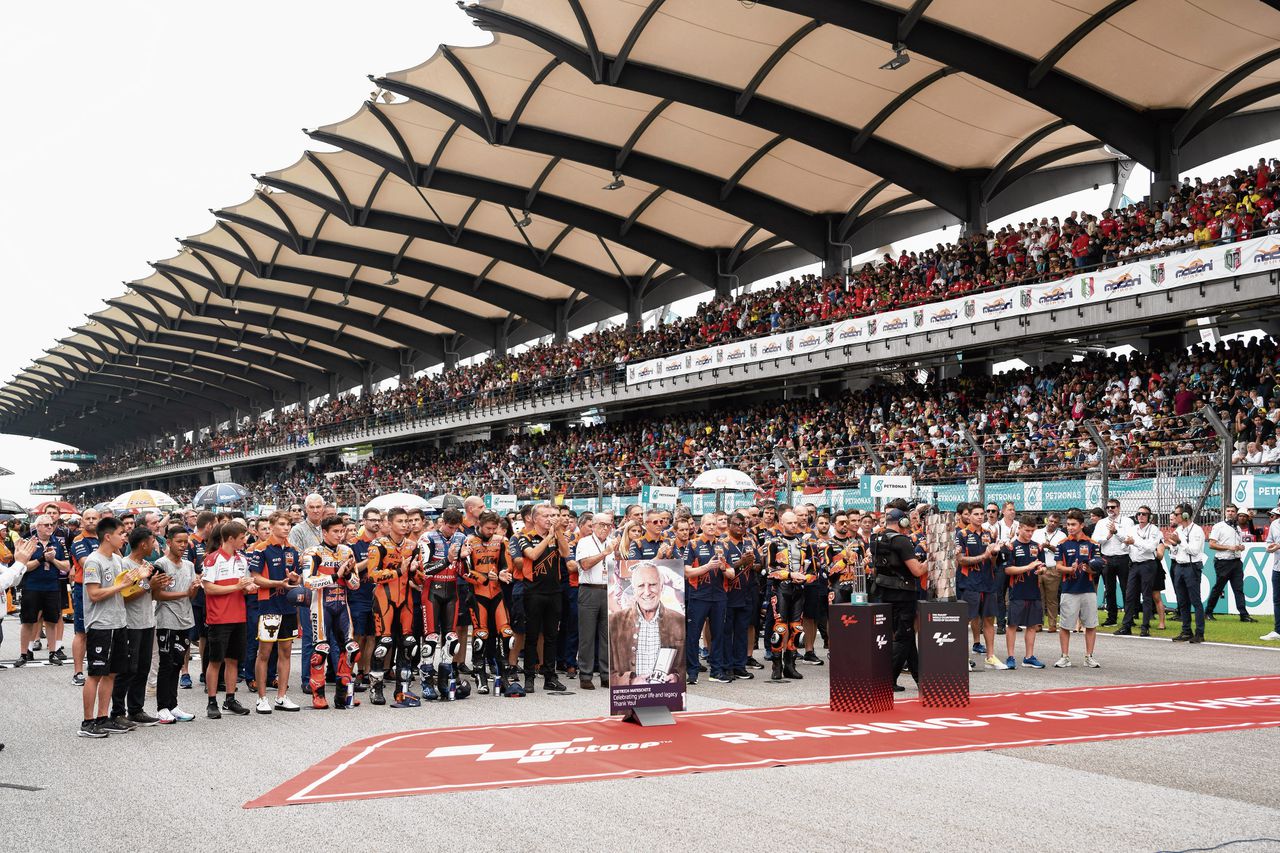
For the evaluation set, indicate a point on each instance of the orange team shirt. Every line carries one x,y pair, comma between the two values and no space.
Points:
385,561
77,565
491,556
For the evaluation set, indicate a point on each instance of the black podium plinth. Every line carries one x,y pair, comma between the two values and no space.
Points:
861,637
944,654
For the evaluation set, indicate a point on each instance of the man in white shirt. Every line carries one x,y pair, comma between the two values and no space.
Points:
1049,538
1227,545
1003,531
1186,544
1110,534
1146,550
594,556
1273,548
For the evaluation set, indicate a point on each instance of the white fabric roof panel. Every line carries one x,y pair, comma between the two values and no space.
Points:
710,171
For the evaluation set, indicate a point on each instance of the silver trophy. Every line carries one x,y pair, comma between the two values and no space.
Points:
858,592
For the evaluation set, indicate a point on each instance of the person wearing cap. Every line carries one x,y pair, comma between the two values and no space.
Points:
1226,541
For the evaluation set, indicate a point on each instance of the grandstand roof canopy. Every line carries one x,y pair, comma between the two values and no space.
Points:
469,203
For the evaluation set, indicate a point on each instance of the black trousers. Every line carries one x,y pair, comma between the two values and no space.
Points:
1115,584
542,619
1141,585
904,638
130,690
171,647
1232,572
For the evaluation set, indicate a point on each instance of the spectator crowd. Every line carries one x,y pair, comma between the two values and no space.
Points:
1029,424
1233,207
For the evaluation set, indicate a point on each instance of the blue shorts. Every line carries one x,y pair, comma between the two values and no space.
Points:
361,618
1025,613
77,607
981,604
516,608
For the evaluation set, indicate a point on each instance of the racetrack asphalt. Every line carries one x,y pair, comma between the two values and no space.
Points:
183,786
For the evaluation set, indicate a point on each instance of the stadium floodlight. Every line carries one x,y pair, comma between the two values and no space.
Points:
900,58
617,183
526,220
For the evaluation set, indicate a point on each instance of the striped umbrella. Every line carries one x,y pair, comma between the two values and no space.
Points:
140,499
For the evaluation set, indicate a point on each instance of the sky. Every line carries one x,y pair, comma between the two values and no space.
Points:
126,121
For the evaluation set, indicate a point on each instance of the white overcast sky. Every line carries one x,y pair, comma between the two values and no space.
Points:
126,121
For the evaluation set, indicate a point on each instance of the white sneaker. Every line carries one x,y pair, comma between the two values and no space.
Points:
181,715
994,662
1090,662
1063,662
1271,636
264,706
286,704
164,715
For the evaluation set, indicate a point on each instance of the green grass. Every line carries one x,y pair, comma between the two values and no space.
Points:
1227,628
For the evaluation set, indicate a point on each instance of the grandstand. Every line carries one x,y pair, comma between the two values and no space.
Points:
500,203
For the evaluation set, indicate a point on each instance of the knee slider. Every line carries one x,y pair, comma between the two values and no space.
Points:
321,648
452,644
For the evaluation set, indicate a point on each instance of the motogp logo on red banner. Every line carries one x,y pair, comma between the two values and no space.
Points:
538,752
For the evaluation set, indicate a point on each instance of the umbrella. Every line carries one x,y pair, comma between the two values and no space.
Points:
62,506
102,507
11,507
442,502
724,480
220,494
142,499
382,503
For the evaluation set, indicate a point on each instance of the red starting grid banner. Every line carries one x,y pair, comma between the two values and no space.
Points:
504,756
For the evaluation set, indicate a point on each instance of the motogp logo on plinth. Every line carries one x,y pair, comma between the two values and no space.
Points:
538,752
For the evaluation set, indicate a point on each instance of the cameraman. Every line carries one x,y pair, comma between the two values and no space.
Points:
897,583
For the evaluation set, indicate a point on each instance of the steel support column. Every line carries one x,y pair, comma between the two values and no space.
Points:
1165,176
